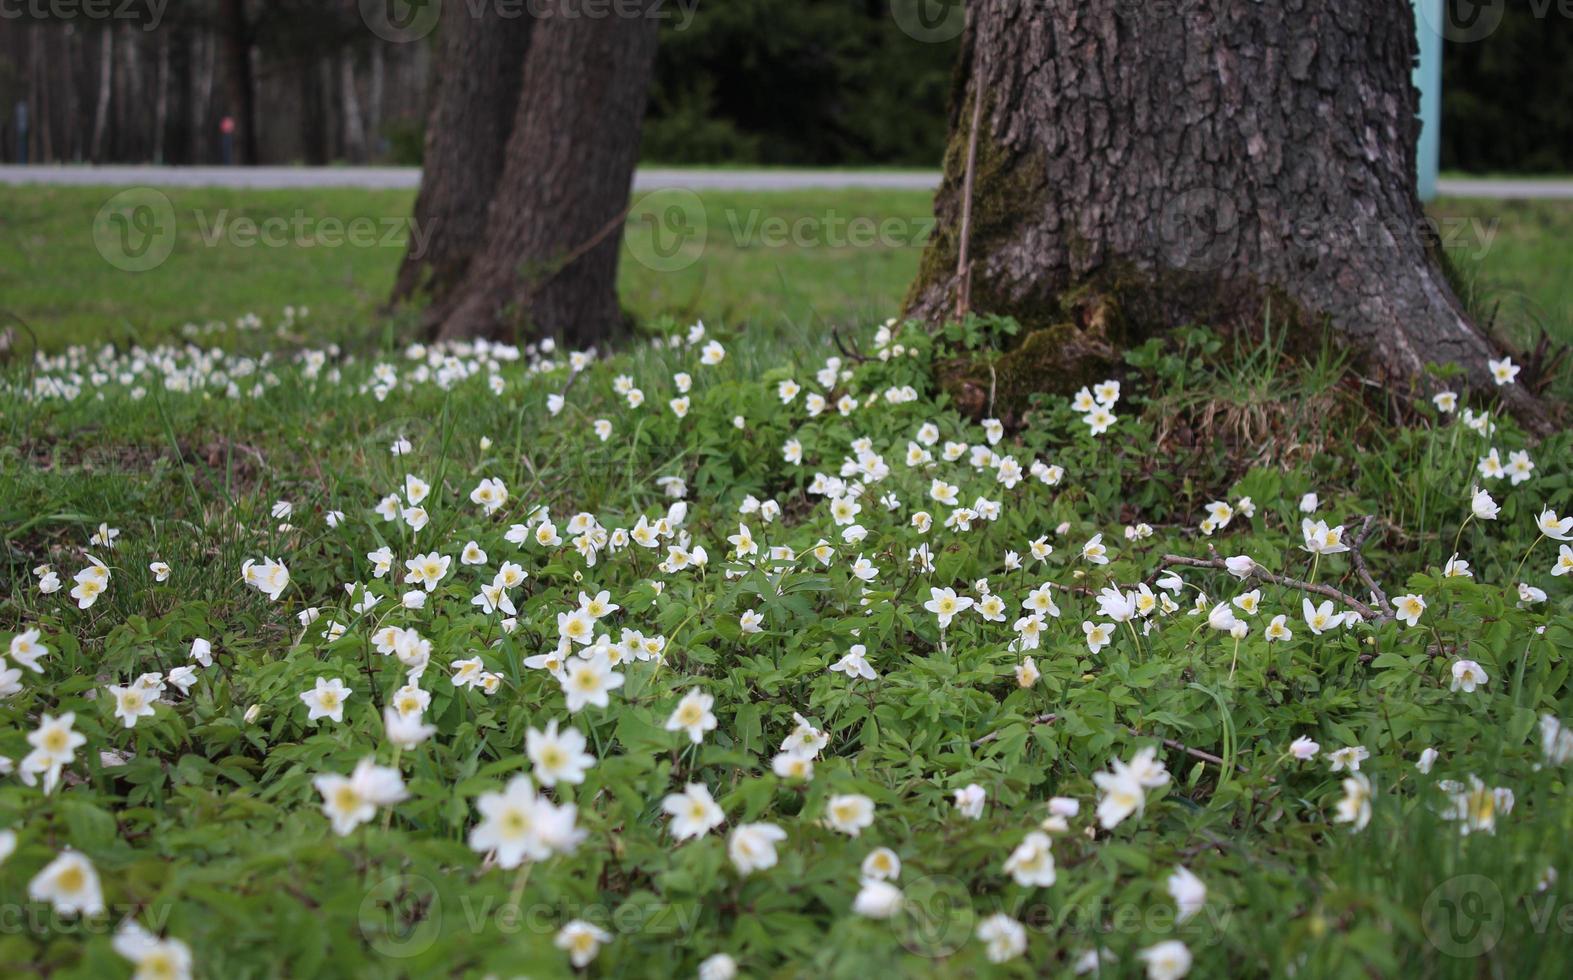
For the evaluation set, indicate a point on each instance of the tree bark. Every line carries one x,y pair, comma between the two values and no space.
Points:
548,262
242,80
472,114
1142,166
106,64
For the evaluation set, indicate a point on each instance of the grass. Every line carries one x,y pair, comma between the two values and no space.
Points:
776,260
206,825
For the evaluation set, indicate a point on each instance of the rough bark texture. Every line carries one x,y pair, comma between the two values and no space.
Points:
1145,165
548,265
467,129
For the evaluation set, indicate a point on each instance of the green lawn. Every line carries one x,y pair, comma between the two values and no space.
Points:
771,259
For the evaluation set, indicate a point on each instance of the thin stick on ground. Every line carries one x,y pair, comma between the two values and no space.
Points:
1357,558
1366,612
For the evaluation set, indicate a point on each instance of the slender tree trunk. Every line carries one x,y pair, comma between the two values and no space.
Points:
106,65
242,80
548,265
161,98
467,130
349,109
374,102
1141,166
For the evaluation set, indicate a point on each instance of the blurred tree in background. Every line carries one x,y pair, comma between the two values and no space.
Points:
790,82
1507,101
807,82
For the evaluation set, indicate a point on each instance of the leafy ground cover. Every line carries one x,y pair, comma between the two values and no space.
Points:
724,653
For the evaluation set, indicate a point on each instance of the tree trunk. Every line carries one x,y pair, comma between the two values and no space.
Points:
242,80
349,109
548,264
467,130
161,98
106,65
1141,166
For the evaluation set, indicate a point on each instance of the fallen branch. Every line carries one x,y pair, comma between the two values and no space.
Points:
1366,612
1357,558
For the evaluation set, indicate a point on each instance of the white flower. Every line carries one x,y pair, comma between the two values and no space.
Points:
1319,619
589,682
1321,539
694,812
581,941
1240,566
70,884
970,800
718,967
1188,892
849,813
752,846
349,801
558,757
517,825
1122,795
326,700
854,664
1098,635
1004,938
1031,864
693,716
1304,748
881,864
26,650
132,702
1476,806
153,958
1348,758
405,730
1355,807
1552,526
1467,675
1427,759
946,605
1503,371
1482,506
1408,608
1168,960
877,899
1309,503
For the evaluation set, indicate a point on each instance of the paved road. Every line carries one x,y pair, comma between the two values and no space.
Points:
386,178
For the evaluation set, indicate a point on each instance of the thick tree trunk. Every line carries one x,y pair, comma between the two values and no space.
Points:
1141,166
467,130
548,265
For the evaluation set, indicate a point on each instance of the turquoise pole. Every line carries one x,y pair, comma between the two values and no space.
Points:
1428,79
